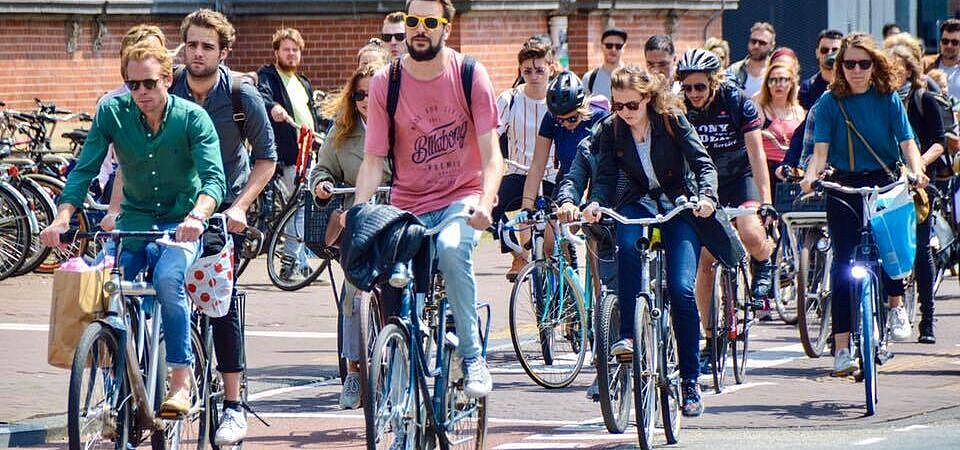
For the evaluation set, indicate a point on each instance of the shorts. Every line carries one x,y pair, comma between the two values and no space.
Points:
739,191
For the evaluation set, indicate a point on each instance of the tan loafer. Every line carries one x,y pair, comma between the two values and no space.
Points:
176,405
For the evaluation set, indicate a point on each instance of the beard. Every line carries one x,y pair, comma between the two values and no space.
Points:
759,57
286,67
427,54
205,72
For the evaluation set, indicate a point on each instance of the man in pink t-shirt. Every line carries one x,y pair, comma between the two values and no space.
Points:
446,161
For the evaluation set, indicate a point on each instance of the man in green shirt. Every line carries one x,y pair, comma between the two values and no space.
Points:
169,152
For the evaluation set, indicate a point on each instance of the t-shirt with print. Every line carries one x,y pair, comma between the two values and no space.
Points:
565,141
717,128
521,122
437,154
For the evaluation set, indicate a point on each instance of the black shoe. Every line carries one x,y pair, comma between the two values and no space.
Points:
762,283
705,356
692,403
926,333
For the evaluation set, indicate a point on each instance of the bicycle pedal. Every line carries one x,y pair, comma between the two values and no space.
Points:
625,359
171,415
883,356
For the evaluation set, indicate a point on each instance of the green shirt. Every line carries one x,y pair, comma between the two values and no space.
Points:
163,173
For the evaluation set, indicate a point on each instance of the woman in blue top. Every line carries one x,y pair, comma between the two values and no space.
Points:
865,91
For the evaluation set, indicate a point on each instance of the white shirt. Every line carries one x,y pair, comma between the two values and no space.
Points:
953,79
753,84
643,151
521,122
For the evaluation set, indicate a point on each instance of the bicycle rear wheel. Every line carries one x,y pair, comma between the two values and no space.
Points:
644,374
719,326
813,301
739,333
613,376
391,411
785,285
14,231
548,324
98,400
43,208
671,400
290,265
465,419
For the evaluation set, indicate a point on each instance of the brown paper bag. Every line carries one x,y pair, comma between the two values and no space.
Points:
77,299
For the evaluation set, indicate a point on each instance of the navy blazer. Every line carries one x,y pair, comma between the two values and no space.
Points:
271,88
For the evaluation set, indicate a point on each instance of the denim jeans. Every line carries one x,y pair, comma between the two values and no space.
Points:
170,264
682,256
293,247
350,330
511,198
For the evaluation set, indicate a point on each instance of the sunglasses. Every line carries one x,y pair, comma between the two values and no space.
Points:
611,46
399,37
133,85
950,42
778,81
535,70
632,106
572,119
698,87
850,64
430,22
827,50
759,42
359,96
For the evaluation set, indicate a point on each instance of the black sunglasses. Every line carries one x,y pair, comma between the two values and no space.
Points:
759,42
611,46
826,50
950,42
865,64
389,36
632,106
699,87
133,85
359,95
572,119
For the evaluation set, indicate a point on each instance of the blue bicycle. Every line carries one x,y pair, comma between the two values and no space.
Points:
397,413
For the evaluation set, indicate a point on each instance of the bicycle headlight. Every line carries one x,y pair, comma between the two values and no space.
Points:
859,272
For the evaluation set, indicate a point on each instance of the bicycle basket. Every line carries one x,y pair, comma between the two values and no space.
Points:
894,222
315,221
787,199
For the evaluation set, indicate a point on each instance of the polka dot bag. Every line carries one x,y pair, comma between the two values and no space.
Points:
209,281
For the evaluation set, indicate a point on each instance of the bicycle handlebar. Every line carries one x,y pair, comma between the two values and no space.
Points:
73,234
862,190
510,162
683,205
296,125
353,190
733,213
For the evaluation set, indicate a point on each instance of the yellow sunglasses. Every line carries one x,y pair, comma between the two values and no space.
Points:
431,22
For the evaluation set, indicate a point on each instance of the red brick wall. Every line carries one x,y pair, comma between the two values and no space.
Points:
35,63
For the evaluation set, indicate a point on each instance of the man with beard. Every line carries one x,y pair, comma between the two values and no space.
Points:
460,175
208,38
288,95
828,43
394,34
748,73
949,58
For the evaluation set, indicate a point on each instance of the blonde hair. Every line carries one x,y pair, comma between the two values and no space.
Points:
715,43
635,77
940,77
140,32
145,50
884,75
765,98
913,70
206,18
344,108
376,46
906,40
287,33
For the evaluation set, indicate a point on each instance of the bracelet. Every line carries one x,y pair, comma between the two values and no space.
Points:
194,215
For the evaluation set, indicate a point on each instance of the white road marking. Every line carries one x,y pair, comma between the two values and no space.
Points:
539,445
582,437
739,387
328,415
911,428
284,390
255,333
869,441
24,327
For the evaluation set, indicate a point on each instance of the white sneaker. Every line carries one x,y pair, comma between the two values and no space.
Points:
477,382
899,324
350,395
233,427
844,364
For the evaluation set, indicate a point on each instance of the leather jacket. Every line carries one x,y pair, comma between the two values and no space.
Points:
376,239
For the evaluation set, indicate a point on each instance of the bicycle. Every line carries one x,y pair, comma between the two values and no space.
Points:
731,288
126,355
39,206
395,410
549,320
17,225
867,333
653,367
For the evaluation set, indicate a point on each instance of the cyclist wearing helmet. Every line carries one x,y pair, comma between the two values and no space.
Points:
570,117
729,126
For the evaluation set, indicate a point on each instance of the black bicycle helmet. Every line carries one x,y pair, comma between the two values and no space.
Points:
698,60
565,94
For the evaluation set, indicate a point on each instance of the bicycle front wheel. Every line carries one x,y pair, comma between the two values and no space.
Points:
785,285
613,376
723,293
14,231
671,399
391,411
465,419
869,340
813,301
290,264
98,401
548,324
644,374
742,320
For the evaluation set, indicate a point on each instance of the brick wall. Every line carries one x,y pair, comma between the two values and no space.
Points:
37,65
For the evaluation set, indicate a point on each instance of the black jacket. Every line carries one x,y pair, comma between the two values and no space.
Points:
682,166
376,238
273,92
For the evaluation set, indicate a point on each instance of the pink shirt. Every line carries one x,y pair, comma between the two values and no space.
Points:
437,156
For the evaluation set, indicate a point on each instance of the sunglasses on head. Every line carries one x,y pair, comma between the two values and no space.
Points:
950,42
429,22
399,37
359,95
699,87
865,64
774,81
827,50
759,42
632,106
611,46
133,85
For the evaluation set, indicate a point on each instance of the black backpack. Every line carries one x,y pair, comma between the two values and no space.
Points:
945,110
393,98
239,114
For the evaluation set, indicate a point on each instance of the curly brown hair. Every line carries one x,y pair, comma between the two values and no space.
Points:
635,77
344,108
884,76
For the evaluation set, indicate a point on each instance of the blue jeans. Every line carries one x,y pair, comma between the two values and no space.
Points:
682,255
170,264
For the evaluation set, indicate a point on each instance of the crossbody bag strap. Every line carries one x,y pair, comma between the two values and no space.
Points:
851,127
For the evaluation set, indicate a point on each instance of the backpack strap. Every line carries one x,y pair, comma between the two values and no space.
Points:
466,78
239,114
393,98
593,79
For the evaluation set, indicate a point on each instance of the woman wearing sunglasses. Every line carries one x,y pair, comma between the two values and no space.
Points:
779,108
863,132
339,162
650,141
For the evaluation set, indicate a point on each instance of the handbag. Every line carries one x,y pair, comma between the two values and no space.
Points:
209,281
77,299
920,199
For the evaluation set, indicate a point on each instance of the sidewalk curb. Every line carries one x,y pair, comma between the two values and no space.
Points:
33,432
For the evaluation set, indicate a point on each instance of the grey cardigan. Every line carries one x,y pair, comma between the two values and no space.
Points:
341,164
